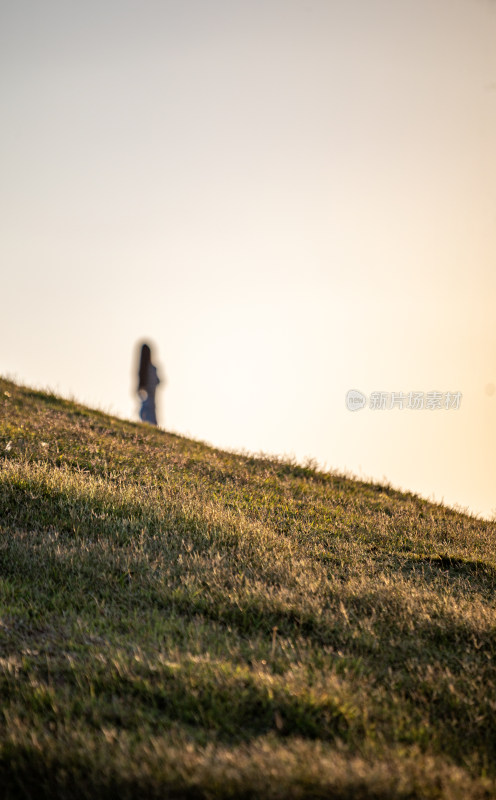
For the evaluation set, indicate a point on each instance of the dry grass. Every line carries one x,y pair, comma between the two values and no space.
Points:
176,621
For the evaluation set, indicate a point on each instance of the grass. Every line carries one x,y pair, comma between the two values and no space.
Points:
182,622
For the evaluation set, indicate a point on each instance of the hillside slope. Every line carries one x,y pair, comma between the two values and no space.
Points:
177,621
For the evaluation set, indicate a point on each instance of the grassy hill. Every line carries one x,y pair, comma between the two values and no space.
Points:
177,621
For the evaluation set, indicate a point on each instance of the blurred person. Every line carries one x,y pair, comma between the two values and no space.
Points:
148,382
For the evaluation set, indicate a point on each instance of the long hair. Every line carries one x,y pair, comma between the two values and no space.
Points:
145,361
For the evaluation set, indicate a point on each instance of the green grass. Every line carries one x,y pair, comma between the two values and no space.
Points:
182,622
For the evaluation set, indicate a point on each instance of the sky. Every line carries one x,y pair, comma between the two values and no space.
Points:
289,199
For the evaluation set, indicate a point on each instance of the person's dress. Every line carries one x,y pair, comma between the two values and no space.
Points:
147,411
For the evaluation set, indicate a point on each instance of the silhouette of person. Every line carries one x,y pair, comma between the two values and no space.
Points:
148,382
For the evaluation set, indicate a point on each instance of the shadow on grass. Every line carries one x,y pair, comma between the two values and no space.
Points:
65,772
240,707
473,573
45,582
